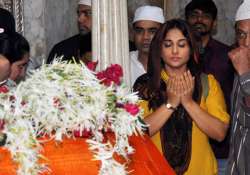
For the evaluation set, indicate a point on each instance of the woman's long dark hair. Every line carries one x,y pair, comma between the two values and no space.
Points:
155,63
176,134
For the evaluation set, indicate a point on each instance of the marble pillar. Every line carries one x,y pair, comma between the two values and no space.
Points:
48,22
110,34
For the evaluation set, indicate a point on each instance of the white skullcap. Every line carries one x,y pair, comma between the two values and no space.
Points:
151,13
85,2
243,11
1,30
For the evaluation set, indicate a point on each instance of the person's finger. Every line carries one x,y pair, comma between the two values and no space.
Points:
183,85
179,87
190,79
169,84
186,80
176,84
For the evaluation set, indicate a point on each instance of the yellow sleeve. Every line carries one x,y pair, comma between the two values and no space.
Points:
215,102
144,105
155,138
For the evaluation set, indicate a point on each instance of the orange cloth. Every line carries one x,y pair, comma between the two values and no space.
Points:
73,157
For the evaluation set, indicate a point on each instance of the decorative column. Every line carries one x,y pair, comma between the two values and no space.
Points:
172,9
110,34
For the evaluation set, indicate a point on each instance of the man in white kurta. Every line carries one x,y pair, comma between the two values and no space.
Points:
147,20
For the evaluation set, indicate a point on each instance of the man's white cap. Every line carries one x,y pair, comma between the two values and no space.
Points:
85,2
243,11
151,13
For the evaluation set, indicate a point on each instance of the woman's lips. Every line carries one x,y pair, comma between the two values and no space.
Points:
175,58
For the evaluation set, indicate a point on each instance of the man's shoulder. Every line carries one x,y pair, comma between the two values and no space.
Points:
133,54
66,48
218,45
133,58
69,41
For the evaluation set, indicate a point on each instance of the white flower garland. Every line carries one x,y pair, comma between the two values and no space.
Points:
59,99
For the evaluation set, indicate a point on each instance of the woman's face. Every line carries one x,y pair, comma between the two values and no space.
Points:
18,68
175,50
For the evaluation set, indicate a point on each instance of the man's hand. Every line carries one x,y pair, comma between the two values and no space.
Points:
240,58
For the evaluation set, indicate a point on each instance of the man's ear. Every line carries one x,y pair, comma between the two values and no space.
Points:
215,24
214,29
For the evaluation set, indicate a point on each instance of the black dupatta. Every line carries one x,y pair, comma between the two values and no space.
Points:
176,133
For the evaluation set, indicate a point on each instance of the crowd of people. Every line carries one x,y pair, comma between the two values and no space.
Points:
195,90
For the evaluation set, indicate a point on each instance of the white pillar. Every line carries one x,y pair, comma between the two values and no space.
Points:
110,34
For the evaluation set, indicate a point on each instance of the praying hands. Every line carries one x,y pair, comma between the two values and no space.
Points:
180,89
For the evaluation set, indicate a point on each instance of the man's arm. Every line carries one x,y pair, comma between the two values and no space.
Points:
245,87
240,58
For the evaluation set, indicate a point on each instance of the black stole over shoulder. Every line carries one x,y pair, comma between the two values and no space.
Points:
176,134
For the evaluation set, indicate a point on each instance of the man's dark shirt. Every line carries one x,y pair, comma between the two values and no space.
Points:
71,47
75,47
215,61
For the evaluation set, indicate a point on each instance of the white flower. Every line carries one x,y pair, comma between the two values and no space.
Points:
59,99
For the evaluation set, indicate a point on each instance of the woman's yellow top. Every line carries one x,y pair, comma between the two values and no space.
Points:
203,161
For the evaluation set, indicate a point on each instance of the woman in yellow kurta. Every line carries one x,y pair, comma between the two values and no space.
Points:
180,115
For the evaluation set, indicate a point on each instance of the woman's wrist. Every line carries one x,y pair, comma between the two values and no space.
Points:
170,106
188,103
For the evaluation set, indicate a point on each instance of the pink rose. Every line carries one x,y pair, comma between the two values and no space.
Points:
85,133
117,70
92,65
2,124
57,103
23,103
114,71
112,74
107,82
133,109
4,89
100,75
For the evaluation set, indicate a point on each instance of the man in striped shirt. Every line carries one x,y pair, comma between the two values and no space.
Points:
239,156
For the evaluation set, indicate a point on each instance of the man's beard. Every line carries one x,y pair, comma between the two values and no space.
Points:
144,51
201,29
84,31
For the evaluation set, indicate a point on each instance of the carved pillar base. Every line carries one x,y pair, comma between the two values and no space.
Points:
110,34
